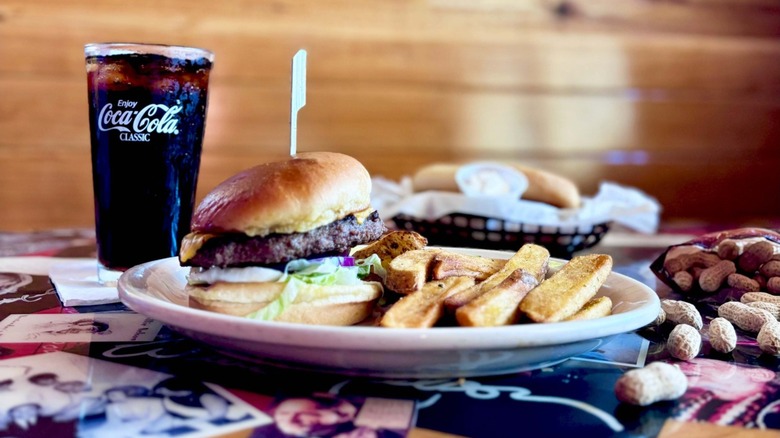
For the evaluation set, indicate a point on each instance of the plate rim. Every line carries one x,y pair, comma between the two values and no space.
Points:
369,338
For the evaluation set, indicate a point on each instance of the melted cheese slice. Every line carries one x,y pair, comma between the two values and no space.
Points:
191,243
361,216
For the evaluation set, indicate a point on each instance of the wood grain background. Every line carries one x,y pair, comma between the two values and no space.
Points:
678,98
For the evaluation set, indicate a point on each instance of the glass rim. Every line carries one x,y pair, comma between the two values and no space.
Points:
175,51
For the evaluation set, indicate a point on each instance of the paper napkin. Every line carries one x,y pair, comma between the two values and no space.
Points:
623,205
77,284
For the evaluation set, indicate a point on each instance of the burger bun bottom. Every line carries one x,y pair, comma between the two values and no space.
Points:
314,304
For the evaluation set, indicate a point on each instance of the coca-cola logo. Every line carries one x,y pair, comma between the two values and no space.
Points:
138,125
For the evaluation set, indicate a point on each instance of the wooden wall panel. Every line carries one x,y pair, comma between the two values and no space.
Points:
403,41
39,114
681,100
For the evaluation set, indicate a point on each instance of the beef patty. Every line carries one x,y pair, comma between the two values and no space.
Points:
237,249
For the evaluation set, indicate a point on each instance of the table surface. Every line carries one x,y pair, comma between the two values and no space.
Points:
148,380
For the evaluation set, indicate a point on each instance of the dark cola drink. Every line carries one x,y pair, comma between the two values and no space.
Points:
147,114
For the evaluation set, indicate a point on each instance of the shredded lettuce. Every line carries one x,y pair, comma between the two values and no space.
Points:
373,261
324,272
280,304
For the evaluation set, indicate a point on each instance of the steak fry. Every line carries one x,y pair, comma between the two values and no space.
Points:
450,264
409,271
531,259
595,308
422,308
498,306
563,294
392,245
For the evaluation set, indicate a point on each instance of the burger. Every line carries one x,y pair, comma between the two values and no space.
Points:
272,243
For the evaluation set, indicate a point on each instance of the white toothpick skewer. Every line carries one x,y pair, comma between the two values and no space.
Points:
298,99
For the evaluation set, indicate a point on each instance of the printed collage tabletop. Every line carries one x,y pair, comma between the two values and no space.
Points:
107,371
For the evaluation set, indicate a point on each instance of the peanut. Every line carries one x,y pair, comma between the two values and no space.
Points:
751,297
676,264
723,337
754,256
773,285
681,312
684,342
741,282
687,261
712,277
656,382
772,308
761,280
684,280
660,319
745,317
769,338
770,269
728,250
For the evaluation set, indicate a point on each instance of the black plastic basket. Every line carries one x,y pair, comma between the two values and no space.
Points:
467,230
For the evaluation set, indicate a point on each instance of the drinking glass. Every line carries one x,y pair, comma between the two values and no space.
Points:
147,115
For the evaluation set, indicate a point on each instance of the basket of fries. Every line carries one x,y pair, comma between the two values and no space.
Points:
469,230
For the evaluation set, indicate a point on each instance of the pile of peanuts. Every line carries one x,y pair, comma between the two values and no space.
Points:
756,312
752,268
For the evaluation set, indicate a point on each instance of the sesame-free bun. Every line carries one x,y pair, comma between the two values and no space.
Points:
543,186
313,304
295,195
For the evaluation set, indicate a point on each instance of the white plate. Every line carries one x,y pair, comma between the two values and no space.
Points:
156,289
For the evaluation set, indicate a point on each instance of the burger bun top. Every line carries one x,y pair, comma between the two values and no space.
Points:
299,194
